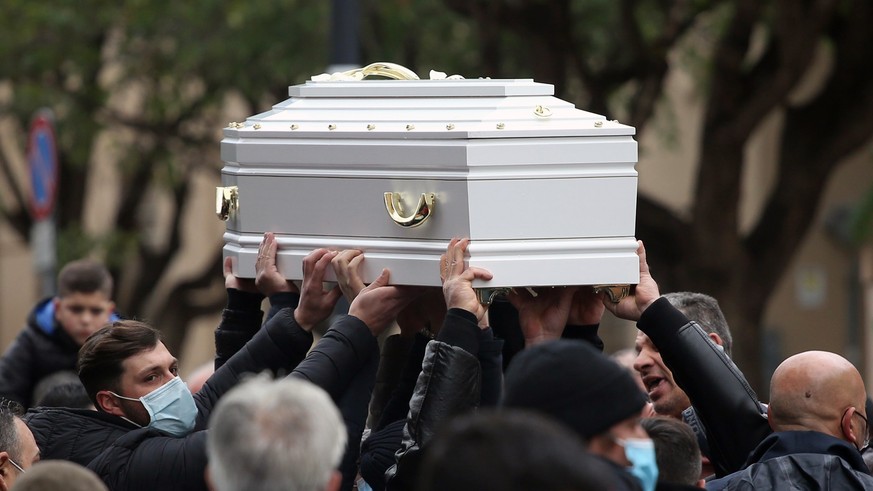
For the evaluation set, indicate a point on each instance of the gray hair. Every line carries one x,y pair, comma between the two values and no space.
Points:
704,310
9,440
275,435
52,475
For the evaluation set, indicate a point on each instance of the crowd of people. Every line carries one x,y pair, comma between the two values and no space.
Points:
518,395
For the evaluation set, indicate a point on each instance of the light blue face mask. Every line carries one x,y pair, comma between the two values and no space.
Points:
362,485
171,408
641,454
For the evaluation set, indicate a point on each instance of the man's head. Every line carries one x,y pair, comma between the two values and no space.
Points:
666,396
18,450
582,388
83,303
819,391
125,360
677,451
509,450
275,435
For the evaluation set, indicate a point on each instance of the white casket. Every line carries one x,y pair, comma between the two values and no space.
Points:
396,168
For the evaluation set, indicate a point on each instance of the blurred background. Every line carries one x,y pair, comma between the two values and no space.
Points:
754,117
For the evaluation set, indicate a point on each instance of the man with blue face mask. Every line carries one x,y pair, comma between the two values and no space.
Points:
581,387
148,431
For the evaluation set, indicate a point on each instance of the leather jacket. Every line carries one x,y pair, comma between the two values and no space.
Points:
723,401
450,383
800,460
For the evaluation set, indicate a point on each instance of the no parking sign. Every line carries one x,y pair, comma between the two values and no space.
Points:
42,159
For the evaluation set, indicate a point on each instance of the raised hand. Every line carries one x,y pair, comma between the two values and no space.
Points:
586,308
458,280
425,312
345,265
544,316
231,281
268,279
316,303
643,295
378,304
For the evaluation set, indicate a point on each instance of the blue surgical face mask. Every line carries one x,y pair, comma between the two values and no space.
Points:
641,454
171,408
362,485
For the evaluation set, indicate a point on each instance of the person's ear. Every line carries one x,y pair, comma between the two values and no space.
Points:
111,308
336,479
849,433
109,403
770,418
5,467
716,339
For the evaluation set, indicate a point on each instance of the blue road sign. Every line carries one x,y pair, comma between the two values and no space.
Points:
42,158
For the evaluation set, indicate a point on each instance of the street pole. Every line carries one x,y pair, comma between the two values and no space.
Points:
345,47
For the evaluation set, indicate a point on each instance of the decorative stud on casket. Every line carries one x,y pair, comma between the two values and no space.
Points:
396,168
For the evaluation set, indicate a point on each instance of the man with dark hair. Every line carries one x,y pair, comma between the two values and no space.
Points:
510,451
146,433
18,449
56,328
677,453
582,388
668,399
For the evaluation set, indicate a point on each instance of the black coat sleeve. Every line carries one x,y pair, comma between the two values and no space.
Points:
278,347
240,320
338,356
449,384
344,364
147,460
17,369
397,406
717,389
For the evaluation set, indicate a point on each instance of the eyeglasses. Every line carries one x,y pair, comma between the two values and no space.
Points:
866,430
15,464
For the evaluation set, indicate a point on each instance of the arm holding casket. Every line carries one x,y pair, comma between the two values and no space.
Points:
717,389
449,382
242,317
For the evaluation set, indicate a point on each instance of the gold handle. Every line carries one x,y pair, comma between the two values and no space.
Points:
422,211
383,69
615,292
226,201
486,296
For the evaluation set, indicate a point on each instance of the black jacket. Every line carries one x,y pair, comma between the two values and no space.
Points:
723,400
800,460
450,383
130,458
40,349
145,459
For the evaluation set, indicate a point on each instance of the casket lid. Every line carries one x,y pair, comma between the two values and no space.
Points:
425,109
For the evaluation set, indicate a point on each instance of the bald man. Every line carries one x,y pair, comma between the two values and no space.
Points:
817,405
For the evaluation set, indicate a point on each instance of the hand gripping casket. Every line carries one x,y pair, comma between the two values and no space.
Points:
397,168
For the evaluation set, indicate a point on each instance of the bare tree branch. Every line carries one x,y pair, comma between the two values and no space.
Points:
805,163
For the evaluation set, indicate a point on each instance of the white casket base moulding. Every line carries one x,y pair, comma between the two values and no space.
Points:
546,192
